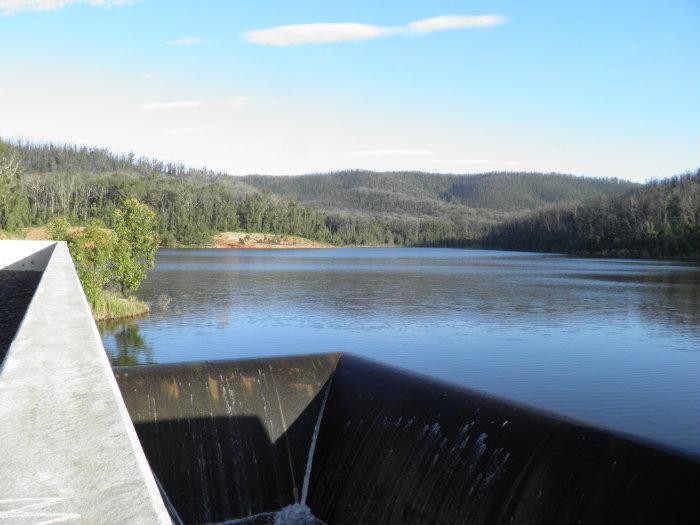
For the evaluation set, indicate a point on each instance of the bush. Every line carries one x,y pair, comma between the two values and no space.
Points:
105,259
58,229
134,245
91,250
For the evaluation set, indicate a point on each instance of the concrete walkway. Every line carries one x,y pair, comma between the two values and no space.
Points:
68,450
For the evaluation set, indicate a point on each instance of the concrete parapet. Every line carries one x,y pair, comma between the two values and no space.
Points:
69,452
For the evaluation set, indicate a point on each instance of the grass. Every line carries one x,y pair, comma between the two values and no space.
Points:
112,305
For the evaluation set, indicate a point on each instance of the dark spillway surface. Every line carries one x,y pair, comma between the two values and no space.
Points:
16,292
359,442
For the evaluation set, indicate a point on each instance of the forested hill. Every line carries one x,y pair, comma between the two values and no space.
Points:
354,207
660,219
429,193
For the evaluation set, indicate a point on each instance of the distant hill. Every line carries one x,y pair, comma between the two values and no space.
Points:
350,207
418,193
659,219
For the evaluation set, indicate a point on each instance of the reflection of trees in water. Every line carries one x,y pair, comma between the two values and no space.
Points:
487,291
671,297
677,304
129,346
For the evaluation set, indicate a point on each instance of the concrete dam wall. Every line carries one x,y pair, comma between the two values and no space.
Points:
359,442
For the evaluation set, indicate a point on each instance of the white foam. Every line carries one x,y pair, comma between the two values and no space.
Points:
296,514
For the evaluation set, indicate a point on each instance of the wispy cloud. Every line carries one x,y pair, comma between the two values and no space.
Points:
191,130
447,22
147,75
10,7
182,104
236,102
392,153
187,41
294,35
465,161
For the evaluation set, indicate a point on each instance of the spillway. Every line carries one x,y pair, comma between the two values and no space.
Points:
236,440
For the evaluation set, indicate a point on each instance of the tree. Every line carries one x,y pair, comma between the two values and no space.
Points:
58,229
135,242
14,204
91,250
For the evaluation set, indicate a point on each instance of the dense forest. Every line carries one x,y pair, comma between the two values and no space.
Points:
660,219
531,211
418,193
83,183
357,207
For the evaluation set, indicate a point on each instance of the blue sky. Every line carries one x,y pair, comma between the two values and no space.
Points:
592,88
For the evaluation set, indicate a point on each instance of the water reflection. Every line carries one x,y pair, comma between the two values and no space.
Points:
385,289
126,345
609,341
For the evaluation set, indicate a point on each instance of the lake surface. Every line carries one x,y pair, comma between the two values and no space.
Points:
611,342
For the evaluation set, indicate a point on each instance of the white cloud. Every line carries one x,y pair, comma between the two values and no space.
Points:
191,130
444,23
9,7
236,102
392,153
147,75
294,35
465,161
157,106
187,41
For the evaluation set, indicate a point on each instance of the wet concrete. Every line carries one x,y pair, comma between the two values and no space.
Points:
228,440
399,448
232,439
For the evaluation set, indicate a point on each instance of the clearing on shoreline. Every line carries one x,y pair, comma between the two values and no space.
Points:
265,241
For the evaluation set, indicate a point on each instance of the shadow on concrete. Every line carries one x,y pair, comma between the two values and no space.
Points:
35,262
18,282
220,468
16,291
228,439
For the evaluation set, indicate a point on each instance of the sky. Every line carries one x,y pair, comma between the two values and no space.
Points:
593,88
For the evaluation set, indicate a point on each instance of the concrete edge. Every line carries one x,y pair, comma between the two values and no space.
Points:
141,461
70,450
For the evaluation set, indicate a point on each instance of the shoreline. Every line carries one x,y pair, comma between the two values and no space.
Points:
238,240
265,241
111,305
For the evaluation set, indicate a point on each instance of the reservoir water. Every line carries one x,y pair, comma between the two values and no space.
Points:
612,342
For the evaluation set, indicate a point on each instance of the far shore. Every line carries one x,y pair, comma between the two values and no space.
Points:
265,241
227,240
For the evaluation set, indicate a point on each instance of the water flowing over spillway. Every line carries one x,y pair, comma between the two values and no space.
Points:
312,446
232,441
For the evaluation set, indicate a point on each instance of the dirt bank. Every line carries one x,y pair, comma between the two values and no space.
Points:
265,241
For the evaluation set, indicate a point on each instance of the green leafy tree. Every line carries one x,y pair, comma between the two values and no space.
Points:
135,242
58,229
91,250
